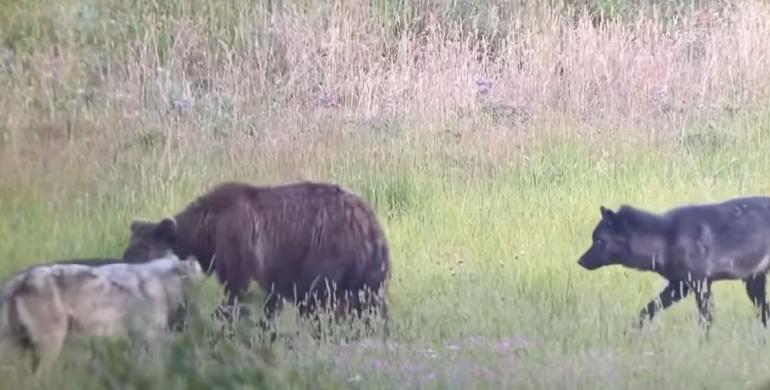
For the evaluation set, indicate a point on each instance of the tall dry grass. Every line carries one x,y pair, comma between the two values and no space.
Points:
129,95
111,73
133,93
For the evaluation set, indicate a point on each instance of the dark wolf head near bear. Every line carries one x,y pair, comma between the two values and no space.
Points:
314,244
691,246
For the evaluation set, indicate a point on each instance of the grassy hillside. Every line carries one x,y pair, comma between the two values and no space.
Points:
487,135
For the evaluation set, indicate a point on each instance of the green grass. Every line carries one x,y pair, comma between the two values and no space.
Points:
485,290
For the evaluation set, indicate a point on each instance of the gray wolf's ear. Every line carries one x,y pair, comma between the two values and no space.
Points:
166,230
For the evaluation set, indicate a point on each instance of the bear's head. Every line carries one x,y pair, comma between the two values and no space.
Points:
152,240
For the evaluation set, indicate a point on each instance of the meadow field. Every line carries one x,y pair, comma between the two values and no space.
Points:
485,134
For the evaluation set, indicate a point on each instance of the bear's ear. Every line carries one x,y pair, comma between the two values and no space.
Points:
137,224
166,230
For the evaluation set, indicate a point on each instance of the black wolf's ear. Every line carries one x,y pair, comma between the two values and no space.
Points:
607,213
166,229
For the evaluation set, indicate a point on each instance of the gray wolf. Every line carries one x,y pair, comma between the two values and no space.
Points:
43,305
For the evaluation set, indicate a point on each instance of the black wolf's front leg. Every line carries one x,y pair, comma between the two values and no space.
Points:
674,292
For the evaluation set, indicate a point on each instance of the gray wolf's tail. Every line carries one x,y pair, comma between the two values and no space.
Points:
7,292
6,327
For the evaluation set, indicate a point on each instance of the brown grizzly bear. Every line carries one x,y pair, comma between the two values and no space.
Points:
304,242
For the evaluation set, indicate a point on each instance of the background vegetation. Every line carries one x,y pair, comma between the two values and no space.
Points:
485,133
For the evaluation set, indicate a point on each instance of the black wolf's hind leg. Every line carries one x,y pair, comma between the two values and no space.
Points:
705,301
755,288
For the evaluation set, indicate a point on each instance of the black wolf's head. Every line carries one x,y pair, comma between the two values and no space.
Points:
610,242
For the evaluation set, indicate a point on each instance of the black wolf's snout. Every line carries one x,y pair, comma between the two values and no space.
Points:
587,263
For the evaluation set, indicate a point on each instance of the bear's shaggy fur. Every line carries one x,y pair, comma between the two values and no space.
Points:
314,244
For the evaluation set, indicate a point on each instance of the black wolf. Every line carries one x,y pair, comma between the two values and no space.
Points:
691,246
